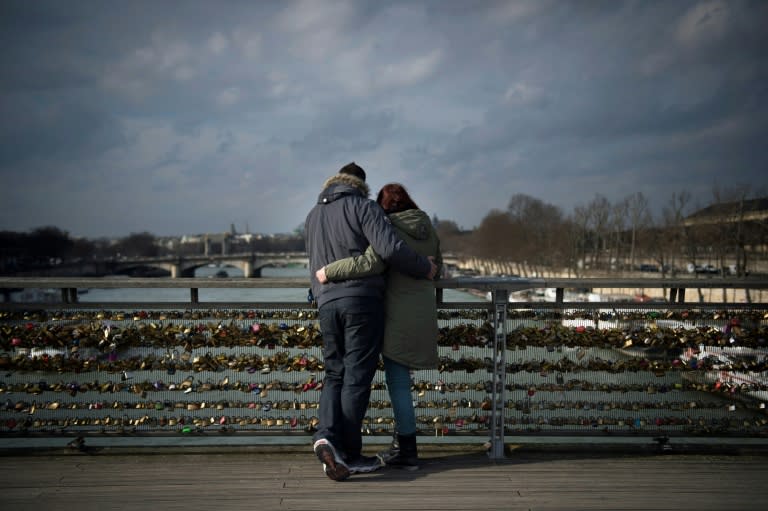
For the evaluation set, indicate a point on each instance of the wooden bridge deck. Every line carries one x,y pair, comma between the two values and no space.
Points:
451,478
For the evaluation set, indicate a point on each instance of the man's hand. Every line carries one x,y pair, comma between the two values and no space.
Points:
320,275
432,270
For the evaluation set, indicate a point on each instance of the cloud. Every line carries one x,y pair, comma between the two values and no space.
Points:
344,134
409,71
521,94
181,117
513,11
228,97
218,43
704,23
143,70
315,29
250,44
43,131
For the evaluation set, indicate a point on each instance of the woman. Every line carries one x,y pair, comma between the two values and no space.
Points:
410,332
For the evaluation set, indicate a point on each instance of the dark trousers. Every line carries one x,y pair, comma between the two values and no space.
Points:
352,330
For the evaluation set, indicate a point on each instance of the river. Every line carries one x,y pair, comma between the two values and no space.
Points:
225,294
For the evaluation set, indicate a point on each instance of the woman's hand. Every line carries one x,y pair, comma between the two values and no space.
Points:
320,275
432,268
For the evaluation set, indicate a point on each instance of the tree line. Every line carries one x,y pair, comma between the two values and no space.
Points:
49,246
534,235
610,237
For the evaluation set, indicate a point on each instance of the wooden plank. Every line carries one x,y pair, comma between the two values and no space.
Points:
449,482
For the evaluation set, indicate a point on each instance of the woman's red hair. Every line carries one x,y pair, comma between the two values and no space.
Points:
393,198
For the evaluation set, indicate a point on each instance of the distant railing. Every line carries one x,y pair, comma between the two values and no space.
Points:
675,289
589,369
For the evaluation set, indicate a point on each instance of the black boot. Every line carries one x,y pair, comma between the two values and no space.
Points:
393,451
405,455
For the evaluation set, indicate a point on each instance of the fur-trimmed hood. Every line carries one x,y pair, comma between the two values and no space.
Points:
344,223
339,185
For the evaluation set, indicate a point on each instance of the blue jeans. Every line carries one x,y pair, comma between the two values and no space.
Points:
399,385
352,330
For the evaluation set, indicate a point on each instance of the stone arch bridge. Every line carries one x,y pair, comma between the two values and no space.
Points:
250,263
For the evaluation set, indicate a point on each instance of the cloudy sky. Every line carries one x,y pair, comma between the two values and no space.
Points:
180,117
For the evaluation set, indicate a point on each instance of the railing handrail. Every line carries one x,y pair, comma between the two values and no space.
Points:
154,283
69,286
482,283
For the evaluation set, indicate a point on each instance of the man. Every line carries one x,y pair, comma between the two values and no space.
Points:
351,313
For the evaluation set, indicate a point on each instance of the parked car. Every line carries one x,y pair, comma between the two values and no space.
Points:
707,268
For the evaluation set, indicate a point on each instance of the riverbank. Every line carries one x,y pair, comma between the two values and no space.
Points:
637,294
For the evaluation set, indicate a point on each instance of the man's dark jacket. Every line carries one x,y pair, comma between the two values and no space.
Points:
342,224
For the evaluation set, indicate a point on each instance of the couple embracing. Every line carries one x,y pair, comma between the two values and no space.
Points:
371,266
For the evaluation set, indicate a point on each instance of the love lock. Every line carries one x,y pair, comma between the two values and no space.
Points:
170,361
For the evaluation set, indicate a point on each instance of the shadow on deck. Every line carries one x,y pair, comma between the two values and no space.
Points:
453,477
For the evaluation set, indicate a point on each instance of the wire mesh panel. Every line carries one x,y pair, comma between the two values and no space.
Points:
161,371
630,370
593,370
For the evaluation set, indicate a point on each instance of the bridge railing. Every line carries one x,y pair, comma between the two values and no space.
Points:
673,289
252,372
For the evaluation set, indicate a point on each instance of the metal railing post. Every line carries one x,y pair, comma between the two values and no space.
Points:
500,301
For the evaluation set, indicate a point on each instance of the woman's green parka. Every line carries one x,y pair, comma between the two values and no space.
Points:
410,332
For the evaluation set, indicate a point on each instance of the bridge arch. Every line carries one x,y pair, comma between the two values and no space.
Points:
250,264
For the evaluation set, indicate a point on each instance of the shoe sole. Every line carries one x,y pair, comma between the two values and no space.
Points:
384,457
332,468
387,461
364,470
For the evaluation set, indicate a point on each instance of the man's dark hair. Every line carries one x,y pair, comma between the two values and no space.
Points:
353,169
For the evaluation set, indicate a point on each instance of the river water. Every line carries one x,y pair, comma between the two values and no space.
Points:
229,295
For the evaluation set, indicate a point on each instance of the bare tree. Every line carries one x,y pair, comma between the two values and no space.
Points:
685,245
582,238
617,222
494,236
537,223
140,244
639,216
452,238
537,236
686,235
599,215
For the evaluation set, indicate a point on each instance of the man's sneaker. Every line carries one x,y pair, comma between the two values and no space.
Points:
333,466
364,464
